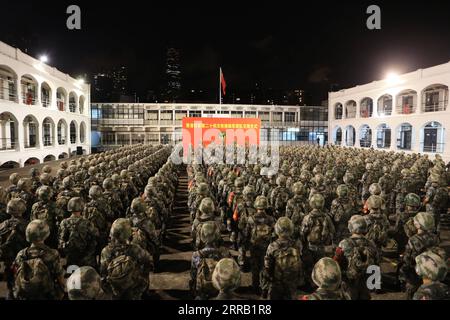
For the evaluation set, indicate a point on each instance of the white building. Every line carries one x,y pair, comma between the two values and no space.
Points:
407,113
44,113
117,124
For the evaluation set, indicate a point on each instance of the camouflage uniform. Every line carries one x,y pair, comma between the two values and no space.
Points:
24,186
432,268
77,236
282,264
13,191
207,209
48,282
12,239
63,197
85,284
279,197
422,241
295,208
377,222
436,199
341,211
404,225
355,254
258,234
124,267
245,210
326,275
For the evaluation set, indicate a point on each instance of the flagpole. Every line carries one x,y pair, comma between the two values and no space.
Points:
220,85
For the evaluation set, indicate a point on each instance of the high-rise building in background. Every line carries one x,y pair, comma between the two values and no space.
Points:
111,85
173,75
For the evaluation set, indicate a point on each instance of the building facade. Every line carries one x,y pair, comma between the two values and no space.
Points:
406,113
44,113
115,125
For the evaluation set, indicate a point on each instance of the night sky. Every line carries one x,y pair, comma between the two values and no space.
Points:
279,44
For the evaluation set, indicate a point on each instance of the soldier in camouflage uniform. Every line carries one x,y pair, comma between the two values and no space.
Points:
403,187
57,183
282,272
234,199
35,179
112,196
226,278
326,275
387,185
204,260
279,197
353,195
3,214
262,180
24,186
245,209
12,239
258,233
46,209
39,274
99,213
201,192
295,207
63,197
424,240
367,179
13,191
127,184
355,254
436,199
404,224
432,268
377,222
316,232
124,267
77,236
85,284
206,214
144,232
341,211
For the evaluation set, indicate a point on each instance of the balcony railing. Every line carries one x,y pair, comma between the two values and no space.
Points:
47,141
435,106
405,109
31,144
351,114
365,143
434,148
28,98
45,102
8,144
72,106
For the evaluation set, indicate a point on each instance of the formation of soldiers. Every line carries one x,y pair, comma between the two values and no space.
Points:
100,220
319,224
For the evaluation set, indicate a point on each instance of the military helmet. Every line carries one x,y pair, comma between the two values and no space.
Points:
261,203
375,189
108,184
44,193
319,179
256,169
435,178
316,201
95,192
249,191
45,178
24,184
405,172
137,205
298,188
124,174
348,177
63,165
281,180
34,172
327,274
357,224
202,188
431,265
115,178
37,230
226,275
16,207
84,284
342,191
412,200
207,206
46,169
369,166
75,204
120,230
92,171
424,221
239,183
61,173
67,182
209,232
14,178
284,227
374,202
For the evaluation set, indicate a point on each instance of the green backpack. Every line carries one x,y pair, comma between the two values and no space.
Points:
261,234
33,278
204,276
359,260
287,265
121,273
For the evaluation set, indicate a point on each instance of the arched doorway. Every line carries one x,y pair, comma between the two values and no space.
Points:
383,136
365,136
31,132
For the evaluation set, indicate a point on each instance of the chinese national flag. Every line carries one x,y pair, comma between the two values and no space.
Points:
222,82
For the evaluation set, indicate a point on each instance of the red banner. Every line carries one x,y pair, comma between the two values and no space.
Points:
203,131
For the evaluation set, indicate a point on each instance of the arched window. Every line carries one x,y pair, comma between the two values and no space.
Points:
435,98
48,128
383,136
61,99
432,137
8,84
338,136
385,105
31,132
365,136
73,132
406,102
62,132
338,110
8,131
350,136
72,102
350,109
29,89
366,108
404,136
46,95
